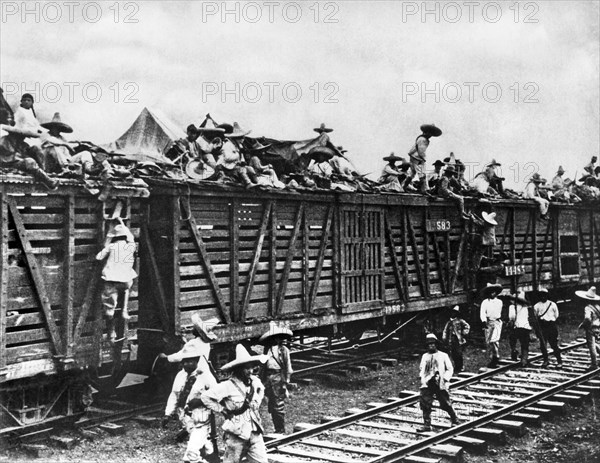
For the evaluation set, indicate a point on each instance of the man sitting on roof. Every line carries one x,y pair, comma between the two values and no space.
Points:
393,178
264,173
532,191
322,171
486,183
437,175
448,187
16,154
591,166
57,151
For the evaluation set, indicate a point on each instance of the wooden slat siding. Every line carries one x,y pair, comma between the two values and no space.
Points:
584,252
544,247
273,261
440,266
381,263
306,265
201,248
69,274
513,249
3,279
95,305
254,266
155,278
404,244
338,295
526,238
413,243
321,257
534,271
400,288
448,257
556,254
234,280
37,277
459,259
426,265
175,227
288,262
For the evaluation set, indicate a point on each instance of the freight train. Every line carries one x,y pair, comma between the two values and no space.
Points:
322,262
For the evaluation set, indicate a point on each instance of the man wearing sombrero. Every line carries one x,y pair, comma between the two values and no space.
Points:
485,240
518,316
417,154
532,191
490,313
277,372
591,322
393,177
57,151
486,182
239,399
185,399
546,314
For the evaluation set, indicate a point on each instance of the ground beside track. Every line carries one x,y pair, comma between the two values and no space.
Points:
573,439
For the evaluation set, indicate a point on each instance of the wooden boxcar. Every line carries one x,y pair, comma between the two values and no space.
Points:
50,323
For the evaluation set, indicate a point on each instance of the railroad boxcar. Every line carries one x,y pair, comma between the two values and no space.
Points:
50,322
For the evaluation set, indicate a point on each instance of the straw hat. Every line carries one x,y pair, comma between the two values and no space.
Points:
193,348
242,357
393,157
236,131
204,328
493,163
318,151
210,126
57,123
590,294
560,170
489,289
489,218
323,128
431,338
120,230
276,330
431,129
536,178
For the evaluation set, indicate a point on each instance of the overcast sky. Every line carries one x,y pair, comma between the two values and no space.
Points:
371,70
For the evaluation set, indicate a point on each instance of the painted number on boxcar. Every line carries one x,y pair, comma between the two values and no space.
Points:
512,270
435,225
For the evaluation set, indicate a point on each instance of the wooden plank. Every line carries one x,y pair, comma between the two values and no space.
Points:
411,233
273,261
3,279
225,316
254,265
306,266
37,277
426,253
584,252
174,229
534,271
289,258
155,278
234,270
402,293
321,258
459,259
546,235
69,274
438,258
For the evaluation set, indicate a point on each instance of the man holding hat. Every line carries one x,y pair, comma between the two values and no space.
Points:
277,372
490,313
546,314
455,335
417,154
591,321
185,402
435,371
239,400
118,273
16,154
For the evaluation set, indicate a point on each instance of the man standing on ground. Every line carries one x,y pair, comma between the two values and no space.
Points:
435,371
490,313
591,321
455,333
518,316
546,313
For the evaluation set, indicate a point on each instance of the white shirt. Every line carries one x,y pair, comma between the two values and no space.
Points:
273,362
204,381
24,119
440,362
520,315
550,315
119,265
491,309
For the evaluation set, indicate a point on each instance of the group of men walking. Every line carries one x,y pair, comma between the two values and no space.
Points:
197,396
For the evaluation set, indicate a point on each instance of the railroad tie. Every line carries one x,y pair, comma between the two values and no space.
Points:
557,408
515,428
498,436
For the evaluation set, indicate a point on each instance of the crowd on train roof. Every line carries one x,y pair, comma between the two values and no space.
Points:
225,153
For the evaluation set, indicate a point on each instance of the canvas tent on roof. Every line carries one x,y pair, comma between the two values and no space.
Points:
148,138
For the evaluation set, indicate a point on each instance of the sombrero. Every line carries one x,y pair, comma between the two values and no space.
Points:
323,128
439,163
450,169
198,170
590,294
431,129
560,170
276,330
57,124
258,147
431,338
193,348
210,126
487,290
17,130
493,163
318,151
242,357
236,131
536,178
393,157
489,218
517,298
204,328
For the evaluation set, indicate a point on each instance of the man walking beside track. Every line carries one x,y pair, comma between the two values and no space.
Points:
518,316
490,313
546,314
455,334
591,322
435,371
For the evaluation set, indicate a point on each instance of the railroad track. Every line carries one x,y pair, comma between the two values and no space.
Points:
490,404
